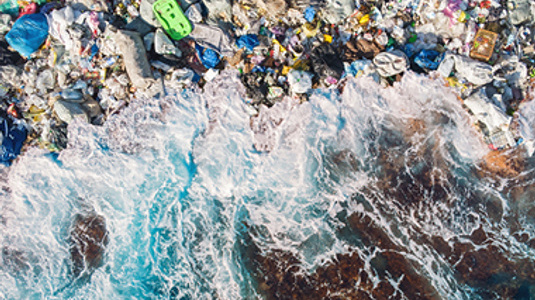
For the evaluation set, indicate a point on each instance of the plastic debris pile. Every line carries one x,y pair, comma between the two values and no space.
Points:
86,59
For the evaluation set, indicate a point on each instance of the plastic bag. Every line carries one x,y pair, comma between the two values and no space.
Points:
147,14
336,10
476,72
5,23
193,13
309,14
327,61
361,48
212,37
8,57
520,11
13,138
28,33
59,21
209,57
139,25
181,77
513,71
218,10
357,67
300,81
10,7
249,41
428,59
486,112
10,75
45,81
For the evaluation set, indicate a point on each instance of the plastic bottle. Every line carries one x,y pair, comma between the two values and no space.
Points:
71,95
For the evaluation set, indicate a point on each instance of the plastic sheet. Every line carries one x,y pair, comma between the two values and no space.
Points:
133,51
212,37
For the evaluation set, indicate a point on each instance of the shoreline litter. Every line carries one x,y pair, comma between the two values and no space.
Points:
62,60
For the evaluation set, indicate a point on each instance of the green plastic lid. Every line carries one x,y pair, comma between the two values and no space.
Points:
173,20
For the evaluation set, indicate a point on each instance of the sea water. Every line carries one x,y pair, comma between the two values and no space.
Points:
189,182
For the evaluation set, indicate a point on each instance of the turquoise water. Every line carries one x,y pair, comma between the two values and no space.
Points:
181,185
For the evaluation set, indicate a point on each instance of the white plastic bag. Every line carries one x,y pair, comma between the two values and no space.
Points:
486,112
520,11
193,13
476,72
300,81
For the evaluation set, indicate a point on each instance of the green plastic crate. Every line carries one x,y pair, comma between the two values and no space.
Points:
173,20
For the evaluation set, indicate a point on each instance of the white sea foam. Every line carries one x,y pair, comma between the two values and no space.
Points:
177,178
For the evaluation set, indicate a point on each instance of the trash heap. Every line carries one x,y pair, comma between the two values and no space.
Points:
86,59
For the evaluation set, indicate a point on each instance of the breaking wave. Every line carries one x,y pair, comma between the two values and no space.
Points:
370,192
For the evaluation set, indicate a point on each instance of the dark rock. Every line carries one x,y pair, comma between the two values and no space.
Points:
88,240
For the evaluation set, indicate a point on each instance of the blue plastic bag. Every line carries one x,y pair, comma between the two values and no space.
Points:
309,14
209,57
248,41
428,59
13,139
28,33
409,49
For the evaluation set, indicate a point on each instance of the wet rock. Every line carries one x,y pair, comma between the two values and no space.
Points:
504,163
494,208
15,260
479,236
88,240
279,274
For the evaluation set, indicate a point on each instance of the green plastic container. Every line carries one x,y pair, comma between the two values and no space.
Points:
173,20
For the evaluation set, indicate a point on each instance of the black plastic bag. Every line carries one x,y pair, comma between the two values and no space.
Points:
327,61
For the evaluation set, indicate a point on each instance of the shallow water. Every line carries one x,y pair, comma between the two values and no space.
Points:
370,193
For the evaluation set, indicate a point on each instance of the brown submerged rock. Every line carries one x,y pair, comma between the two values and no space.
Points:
503,163
410,179
88,240
279,274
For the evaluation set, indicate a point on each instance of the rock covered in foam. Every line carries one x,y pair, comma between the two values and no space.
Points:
88,240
